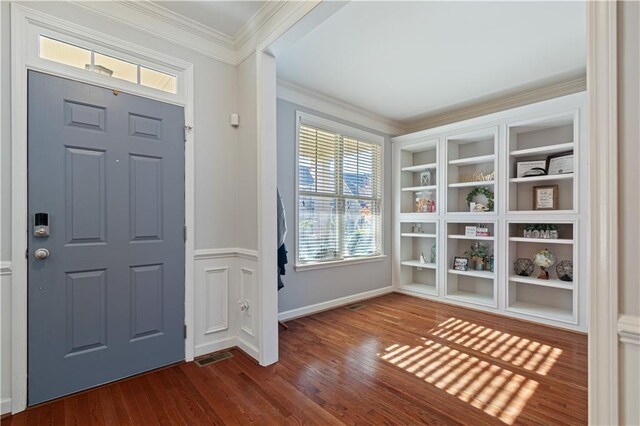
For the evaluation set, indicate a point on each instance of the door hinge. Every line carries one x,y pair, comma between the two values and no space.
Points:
185,233
185,331
26,254
187,129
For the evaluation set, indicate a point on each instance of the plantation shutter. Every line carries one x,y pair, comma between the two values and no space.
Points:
339,196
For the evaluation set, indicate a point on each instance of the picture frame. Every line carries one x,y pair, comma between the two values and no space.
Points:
460,263
545,197
523,167
470,231
425,178
560,163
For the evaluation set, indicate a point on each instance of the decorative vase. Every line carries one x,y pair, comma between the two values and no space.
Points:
479,265
433,254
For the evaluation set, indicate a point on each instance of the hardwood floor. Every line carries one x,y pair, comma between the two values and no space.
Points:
398,360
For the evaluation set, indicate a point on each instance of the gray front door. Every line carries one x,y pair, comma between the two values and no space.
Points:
108,170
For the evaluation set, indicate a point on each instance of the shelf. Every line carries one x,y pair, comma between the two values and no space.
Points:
541,178
420,288
469,184
565,285
541,240
420,167
477,237
550,149
541,311
417,235
419,188
473,160
471,273
466,296
417,264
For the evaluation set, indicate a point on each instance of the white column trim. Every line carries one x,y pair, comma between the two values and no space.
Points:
603,226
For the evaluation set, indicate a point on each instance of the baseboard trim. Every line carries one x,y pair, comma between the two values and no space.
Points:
331,304
220,345
629,329
249,349
5,406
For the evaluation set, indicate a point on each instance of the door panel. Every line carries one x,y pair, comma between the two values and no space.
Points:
108,302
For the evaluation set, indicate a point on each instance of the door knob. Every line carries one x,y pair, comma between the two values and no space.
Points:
41,253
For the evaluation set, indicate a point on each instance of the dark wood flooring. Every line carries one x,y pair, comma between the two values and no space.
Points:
398,360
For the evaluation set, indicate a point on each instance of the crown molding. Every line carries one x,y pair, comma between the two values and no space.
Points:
260,18
300,95
160,22
154,10
501,103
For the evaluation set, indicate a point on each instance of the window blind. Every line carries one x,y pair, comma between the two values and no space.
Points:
339,196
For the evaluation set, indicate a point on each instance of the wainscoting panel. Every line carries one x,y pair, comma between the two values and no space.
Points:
224,279
217,298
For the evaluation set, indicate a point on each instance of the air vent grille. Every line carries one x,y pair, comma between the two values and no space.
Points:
213,358
354,307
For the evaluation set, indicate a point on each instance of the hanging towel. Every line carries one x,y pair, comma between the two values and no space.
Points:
282,233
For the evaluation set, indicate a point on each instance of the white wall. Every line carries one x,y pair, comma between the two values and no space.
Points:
247,175
215,155
312,287
629,202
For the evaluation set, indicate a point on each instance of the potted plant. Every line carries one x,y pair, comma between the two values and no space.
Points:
477,253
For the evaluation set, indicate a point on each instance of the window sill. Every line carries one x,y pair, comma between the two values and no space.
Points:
332,264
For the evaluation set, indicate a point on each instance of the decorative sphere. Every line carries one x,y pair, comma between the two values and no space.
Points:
523,267
564,270
544,258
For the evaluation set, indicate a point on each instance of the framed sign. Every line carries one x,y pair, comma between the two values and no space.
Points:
460,263
545,197
560,163
531,168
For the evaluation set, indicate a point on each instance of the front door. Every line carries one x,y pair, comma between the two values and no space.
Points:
106,281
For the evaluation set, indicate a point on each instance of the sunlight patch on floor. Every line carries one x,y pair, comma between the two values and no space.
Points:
495,390
519,351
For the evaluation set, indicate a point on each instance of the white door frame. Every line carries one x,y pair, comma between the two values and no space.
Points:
24,21
602,60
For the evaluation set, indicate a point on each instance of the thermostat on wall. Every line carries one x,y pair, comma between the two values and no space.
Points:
234,120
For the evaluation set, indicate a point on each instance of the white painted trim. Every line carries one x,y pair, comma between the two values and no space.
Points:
603,225
334,126
22,19
347,262
219,253
332,304
493,104
629,329
5,268
274,17
224,299
308,98
5,406
207,348
248,348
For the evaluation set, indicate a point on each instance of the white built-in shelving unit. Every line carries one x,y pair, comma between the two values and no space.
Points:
491,146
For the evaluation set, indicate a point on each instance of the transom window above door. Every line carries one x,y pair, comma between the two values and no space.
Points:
101,63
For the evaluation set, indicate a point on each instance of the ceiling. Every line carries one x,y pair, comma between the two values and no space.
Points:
227,17
408,60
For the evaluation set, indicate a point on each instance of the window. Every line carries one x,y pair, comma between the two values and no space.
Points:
339,193
91,60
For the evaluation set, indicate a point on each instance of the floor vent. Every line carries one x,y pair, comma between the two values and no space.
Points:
354,307
212,359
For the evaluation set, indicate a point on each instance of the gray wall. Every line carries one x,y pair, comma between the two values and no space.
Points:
307,288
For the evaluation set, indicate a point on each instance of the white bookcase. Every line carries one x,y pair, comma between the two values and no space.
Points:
457,156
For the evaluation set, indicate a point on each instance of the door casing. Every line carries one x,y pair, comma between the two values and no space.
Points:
24,59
